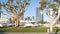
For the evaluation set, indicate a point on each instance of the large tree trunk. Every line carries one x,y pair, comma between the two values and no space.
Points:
15,20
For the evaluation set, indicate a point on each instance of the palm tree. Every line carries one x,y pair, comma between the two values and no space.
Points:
17,9
33,18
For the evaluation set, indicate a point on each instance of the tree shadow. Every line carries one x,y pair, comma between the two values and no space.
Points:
2,33
57,30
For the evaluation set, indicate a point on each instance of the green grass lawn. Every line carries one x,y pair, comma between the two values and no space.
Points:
42,29
23,29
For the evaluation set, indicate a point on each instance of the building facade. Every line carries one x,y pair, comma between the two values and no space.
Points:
0,14
0,10
39,16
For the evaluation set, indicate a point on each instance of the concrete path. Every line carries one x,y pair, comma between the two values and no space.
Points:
21,33
24,33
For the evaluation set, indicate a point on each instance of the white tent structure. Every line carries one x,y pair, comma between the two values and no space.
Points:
3,20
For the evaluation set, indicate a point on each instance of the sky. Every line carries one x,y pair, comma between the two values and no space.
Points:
31,9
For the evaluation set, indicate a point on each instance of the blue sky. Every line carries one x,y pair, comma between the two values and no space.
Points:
31,9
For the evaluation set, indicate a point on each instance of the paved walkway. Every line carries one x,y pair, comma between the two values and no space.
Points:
23,33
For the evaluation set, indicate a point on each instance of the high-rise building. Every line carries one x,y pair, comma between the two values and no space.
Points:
39,16
0,10
0,14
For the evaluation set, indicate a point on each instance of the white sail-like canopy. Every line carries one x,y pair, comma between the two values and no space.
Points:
4,20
